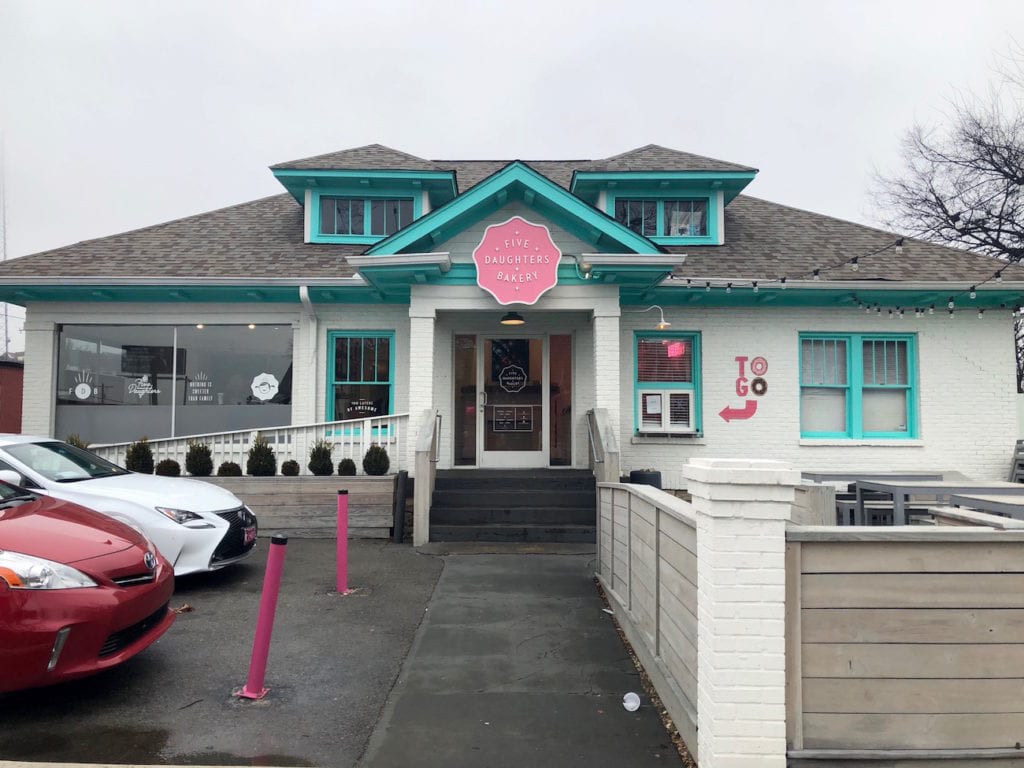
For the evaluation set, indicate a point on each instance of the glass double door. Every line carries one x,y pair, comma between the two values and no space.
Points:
513,398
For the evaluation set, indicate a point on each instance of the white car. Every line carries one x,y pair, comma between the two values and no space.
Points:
197,526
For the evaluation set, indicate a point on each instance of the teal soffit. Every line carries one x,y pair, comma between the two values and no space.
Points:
588,185
440,185
516,182
38,290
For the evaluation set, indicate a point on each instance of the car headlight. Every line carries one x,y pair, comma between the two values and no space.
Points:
178,515
28,572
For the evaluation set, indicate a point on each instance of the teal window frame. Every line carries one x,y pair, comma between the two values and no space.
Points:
332,380
639,386
660,197
316,235
856,385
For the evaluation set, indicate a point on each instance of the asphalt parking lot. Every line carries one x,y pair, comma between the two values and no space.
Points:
333,661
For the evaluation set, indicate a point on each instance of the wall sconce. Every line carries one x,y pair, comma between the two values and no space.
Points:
512,318
662,323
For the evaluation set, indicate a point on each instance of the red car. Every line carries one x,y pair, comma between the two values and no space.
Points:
79,591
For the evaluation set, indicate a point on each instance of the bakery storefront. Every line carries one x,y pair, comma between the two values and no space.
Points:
512,299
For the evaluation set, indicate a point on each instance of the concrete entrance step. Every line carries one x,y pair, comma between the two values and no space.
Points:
479,515
514,479
560,533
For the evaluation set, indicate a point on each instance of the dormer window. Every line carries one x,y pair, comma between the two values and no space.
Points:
664,218
360,216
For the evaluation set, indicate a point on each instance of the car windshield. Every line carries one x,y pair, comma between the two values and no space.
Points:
61,462
9,492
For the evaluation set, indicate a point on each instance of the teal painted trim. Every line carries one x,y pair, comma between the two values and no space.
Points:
186,294
316,236
856,387
694,337
661,196
331,374
770,296
515,173
297,181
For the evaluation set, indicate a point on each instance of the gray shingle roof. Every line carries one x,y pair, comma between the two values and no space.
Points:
256,239
656,158
764,240
372,157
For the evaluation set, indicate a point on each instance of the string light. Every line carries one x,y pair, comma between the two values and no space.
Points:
951,304
707,287
931,310
854,265
783,283
755,286
981,313
899,246
817,274
974,293
999,276
728,287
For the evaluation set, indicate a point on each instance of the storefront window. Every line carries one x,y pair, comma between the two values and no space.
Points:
361,375
117,383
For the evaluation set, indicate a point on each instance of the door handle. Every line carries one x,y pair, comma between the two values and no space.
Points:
483,397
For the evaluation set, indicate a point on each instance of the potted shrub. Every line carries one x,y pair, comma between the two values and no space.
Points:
261,461
290,468
229,469
320,462
346,467
168,468
139,457
198,461
376,461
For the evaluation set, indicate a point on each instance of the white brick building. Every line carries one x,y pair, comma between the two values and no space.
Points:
357,293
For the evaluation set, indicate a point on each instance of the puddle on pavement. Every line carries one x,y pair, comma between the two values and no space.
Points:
120,745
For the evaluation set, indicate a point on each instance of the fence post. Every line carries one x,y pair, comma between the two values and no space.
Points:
742,506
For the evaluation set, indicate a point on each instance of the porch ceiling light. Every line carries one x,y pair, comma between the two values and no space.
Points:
512,318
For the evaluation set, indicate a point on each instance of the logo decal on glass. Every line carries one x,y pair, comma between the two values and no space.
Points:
142,386
83,388
512,378
200,388
264,386
517,261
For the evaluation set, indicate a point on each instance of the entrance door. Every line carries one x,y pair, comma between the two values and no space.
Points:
513,401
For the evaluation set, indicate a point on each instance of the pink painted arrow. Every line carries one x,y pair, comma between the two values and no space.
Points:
730,414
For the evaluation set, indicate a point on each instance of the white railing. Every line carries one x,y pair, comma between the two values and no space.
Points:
351,439
426,474
604,448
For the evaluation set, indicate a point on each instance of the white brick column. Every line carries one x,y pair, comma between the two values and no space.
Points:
607,363
742,506
421,374
39,399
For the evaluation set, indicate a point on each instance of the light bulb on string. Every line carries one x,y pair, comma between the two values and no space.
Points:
973,294
931,310
755,287
728,287
817,274
854,265
951,304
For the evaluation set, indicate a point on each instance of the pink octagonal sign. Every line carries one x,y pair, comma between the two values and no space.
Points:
517,261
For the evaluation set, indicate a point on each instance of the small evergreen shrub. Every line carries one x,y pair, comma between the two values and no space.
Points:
168,468
75,440
229,469
376,461
320,462
261,461
290,468
198,461
139,457
346,467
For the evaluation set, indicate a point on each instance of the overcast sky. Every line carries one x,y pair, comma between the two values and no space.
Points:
117,115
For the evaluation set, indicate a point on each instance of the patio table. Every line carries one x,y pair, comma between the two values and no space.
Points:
832,476
902,490
1010,505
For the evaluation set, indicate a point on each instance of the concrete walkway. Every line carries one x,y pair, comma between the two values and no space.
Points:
516,664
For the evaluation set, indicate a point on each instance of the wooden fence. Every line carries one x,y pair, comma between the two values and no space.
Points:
647,564
905,643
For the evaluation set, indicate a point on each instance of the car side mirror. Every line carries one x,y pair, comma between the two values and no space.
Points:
12,477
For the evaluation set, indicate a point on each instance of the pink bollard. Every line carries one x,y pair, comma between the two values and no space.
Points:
342,542
265,623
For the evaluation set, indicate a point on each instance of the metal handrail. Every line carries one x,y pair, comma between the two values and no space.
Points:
590,434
